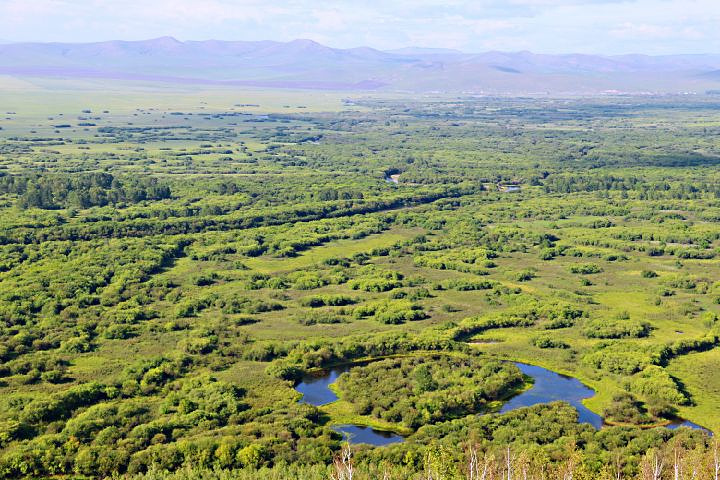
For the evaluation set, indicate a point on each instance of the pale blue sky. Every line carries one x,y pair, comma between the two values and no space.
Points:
545,26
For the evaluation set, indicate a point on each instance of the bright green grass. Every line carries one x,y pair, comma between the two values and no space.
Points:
700,374
342,413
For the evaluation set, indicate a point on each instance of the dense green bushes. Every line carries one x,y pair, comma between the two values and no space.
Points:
549,342
472,260
585,269
464,285
375,280
254,248
616,328
325,353
418,390
626,409
316,301
316,317
619,358
474,325
655,383
392,312
556,315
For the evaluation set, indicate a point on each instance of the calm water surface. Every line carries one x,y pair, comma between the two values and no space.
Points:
552,387
359,434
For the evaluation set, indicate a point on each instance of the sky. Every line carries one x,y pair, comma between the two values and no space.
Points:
541,26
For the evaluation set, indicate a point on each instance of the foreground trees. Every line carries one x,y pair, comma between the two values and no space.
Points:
672,461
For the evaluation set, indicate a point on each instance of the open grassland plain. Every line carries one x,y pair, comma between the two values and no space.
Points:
173,263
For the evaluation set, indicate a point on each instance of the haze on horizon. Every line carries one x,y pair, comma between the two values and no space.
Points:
605,27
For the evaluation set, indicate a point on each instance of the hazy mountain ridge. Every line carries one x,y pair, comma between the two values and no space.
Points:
308,64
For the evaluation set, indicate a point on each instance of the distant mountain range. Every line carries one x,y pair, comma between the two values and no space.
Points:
308,64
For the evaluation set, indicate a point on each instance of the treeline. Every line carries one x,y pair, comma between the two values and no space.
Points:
117,437
53,191
116,430
642,189
237,220
535,443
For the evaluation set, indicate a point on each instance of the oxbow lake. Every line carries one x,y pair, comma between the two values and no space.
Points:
548,387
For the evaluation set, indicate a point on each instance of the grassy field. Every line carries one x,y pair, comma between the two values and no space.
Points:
698,372
171,261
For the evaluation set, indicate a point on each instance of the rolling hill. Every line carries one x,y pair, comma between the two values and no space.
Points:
308,64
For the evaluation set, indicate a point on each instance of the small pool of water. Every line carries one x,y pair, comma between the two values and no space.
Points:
687,423
393,179
359,434
316,388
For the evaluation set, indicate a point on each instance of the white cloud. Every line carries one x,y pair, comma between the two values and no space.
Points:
631,30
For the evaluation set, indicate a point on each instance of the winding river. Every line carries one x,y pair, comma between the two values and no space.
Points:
548,387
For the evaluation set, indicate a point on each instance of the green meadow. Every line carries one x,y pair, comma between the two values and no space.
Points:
174,261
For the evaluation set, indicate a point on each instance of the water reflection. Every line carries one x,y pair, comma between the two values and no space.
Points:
360,434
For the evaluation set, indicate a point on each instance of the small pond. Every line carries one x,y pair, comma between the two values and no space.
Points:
316,388
393,179
360,434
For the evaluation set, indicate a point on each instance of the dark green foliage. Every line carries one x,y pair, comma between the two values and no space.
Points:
324,353
655,383
525,275
316,317
549,342
616,328
465,285
391,312
625,409
316,301
240,304
377,281
81,191
585,269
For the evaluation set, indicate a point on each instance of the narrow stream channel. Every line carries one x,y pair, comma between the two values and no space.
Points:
549,387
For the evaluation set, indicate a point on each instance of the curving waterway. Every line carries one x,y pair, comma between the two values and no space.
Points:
548,387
